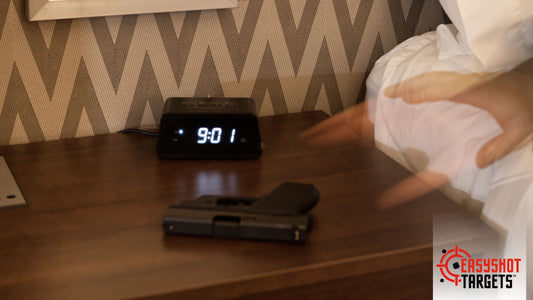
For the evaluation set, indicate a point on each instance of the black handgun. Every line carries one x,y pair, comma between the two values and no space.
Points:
279,215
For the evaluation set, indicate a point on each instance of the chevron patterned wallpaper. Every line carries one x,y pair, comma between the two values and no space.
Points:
72,78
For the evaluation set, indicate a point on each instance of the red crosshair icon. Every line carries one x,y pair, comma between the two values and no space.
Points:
445,262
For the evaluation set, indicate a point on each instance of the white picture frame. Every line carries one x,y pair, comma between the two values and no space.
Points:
38,10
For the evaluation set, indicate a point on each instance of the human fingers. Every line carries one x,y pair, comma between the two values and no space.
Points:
348,121
500,146
425,87
435,86
410,188
341,135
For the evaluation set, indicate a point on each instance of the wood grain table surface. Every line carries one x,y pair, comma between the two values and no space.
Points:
92,228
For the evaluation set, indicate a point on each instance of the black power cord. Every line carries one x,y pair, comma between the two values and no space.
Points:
154,134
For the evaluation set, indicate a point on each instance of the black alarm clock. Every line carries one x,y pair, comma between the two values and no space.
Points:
209,128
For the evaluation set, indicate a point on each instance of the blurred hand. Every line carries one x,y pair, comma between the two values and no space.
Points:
508,97
347,127
353,126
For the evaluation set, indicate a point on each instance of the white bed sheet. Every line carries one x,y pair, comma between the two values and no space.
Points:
445,137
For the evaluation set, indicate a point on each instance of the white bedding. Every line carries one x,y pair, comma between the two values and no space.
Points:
445,137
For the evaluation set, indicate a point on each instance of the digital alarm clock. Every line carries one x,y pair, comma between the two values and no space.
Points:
209,128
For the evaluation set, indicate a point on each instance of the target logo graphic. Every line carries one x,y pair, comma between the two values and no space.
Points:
449,262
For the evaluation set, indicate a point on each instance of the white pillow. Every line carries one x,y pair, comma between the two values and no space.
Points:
498,32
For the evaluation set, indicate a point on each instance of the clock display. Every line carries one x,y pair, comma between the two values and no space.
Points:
210,136
213,135
207,128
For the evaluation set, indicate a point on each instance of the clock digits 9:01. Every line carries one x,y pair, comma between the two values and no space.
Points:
213,136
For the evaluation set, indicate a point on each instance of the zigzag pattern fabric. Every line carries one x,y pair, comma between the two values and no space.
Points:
82,77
